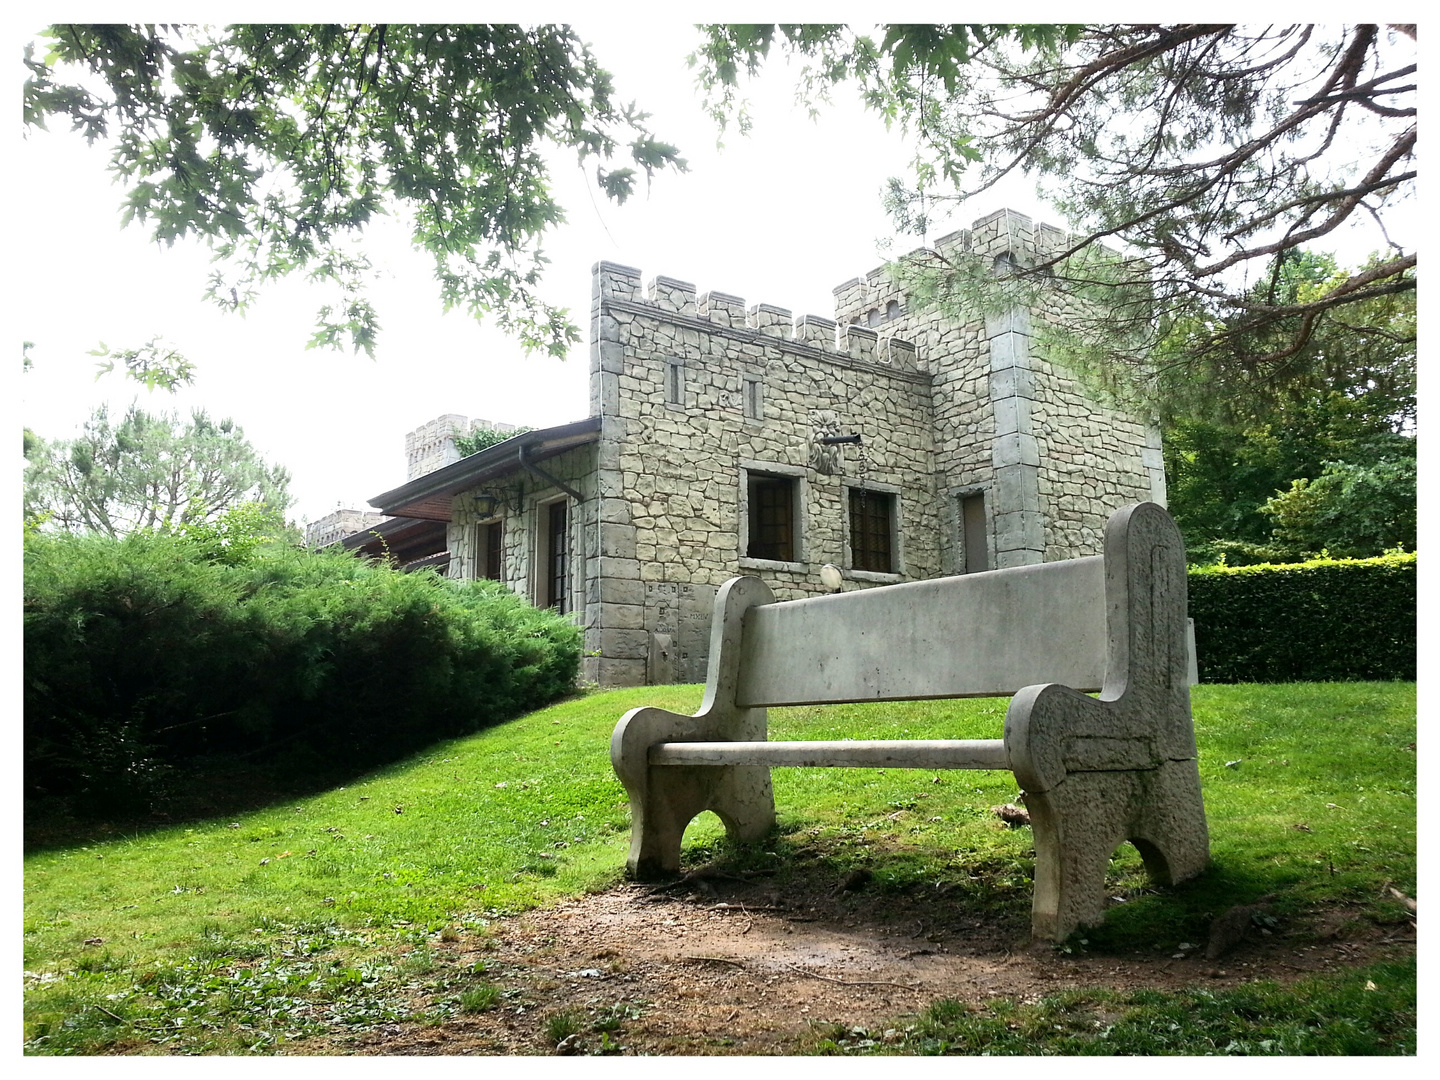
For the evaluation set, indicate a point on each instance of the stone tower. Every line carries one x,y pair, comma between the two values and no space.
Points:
1049,462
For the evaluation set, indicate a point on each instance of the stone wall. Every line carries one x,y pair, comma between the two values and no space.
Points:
669,378
1052,462
431,446
339,524
697,392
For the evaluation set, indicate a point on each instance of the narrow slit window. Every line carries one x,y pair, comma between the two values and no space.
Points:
973,541
752,402
674,382
872,523
490,552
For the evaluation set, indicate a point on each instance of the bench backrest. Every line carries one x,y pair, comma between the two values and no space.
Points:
975,635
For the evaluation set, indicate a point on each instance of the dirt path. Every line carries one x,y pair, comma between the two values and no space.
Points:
719,966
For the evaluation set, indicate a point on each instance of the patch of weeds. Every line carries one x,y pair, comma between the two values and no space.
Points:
613,1016
481,998
98,963
418,962
607,1046
210,1002
559,1026
945,1011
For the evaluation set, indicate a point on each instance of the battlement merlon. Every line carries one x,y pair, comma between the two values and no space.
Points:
671,296
1005,235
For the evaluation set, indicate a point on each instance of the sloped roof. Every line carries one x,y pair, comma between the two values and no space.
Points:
429,496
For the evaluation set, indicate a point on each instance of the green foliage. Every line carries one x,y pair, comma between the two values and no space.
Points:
1345,402
149,471
153,364
1227,486
886,73
239,535
1206,153
480,998
561,1025
1364,355
1349,510
149,653
278,144
483,438
1326,619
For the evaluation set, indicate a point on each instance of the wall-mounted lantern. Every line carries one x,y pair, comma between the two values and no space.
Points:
485,504
831,577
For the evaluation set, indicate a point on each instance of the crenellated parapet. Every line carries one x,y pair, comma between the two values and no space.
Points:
1005,239
623,288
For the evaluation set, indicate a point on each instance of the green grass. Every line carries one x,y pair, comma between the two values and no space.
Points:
1368,1011
291,917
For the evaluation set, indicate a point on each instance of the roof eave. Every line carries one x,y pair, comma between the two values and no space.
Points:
496,460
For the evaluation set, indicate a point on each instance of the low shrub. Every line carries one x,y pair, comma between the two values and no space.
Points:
147,654
1327,620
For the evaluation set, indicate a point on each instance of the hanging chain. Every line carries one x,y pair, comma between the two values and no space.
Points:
864,476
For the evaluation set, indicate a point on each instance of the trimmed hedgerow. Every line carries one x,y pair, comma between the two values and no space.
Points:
147,653
1327,620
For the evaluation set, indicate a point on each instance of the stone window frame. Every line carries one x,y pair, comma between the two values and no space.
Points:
955,523
752,393
477,556
799,475
673,378
897,533
540,553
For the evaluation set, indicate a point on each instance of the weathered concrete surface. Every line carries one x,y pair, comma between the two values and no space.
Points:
975,635
665,799
840,754
1096,771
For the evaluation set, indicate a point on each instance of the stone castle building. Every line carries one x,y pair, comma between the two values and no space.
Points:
726,439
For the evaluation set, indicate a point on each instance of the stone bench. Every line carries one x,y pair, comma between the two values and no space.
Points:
1096,771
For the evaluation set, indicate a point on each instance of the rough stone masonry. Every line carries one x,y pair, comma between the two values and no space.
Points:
699,392
730,438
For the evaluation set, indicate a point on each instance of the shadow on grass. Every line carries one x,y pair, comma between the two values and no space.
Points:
959,891
221,787
203,791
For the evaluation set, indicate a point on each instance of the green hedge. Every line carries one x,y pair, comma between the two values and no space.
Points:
1327,620
149,653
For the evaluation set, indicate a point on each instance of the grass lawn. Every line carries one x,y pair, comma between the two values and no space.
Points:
239,934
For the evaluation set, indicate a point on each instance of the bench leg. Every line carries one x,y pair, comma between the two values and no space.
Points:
739,795
664,799
1079,823
1171,834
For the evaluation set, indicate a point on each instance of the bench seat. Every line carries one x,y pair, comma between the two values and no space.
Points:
840,754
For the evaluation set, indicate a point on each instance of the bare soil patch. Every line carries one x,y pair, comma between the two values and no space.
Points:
717,965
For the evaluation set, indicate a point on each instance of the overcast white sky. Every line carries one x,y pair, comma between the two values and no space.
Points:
781,217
